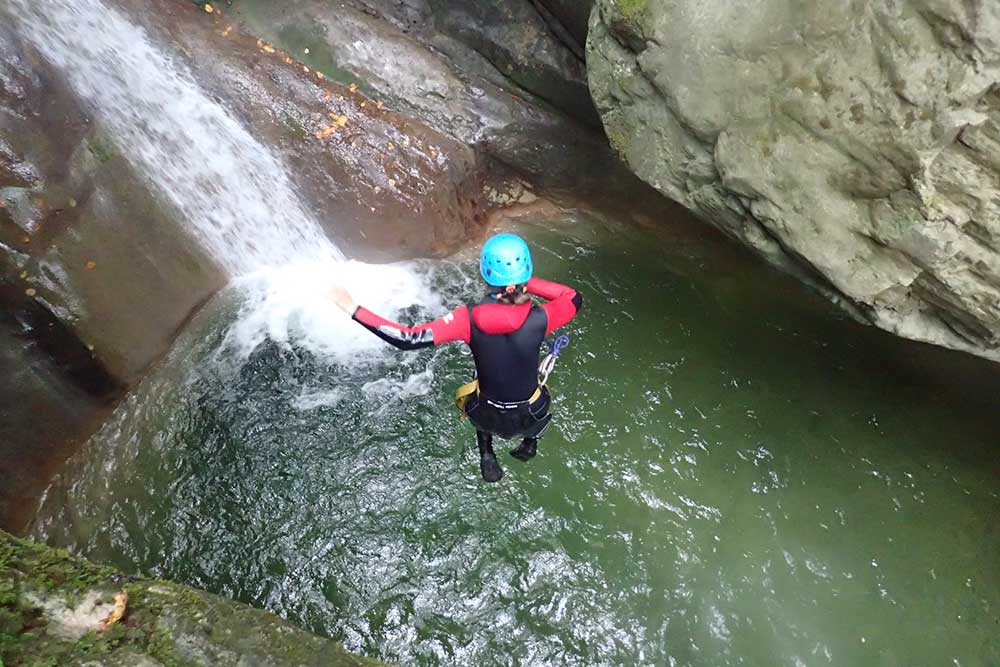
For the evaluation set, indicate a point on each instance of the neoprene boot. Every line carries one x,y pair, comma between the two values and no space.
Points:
527,449
488,466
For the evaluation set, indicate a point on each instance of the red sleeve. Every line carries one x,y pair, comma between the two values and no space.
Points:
564,302
452,327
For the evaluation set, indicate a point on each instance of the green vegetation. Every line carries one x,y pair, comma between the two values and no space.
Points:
631,10
99,150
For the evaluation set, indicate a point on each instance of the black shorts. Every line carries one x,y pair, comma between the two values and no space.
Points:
510,420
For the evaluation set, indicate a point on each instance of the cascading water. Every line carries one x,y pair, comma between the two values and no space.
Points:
230,190
232,194
731,478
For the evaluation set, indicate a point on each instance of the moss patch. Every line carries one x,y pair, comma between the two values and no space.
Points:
100,151
632,10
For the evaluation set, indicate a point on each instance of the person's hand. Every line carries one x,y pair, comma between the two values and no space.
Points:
343,299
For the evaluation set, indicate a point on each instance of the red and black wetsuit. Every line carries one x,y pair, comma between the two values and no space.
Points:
506,343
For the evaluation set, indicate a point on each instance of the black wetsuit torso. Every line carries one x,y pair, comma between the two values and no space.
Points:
507,363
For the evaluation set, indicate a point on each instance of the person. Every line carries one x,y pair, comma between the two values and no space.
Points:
505,332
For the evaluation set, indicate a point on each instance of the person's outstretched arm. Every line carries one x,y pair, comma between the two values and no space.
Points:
452,327
563,302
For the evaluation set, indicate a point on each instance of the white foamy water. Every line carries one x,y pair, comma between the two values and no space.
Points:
233,195
289,305
232,192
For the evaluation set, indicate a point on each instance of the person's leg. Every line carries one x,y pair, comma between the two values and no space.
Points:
529,445
488,466
526,450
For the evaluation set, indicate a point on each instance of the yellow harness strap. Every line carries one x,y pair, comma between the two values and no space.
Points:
469,388
463,394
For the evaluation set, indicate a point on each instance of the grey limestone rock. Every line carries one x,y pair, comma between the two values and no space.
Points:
855,143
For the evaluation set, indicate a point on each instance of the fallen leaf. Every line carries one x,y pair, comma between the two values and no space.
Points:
117,612
342,121
354,87
30,291
326,132
319,75
268,48
209,8
72,203
91,265
24,274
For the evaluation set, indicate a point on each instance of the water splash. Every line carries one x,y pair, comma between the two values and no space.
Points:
230,190
288,306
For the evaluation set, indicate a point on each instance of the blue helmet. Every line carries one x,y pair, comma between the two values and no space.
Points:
506,260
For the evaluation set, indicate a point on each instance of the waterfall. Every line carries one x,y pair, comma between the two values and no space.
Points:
230,190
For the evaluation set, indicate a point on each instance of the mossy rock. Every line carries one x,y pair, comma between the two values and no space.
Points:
51,603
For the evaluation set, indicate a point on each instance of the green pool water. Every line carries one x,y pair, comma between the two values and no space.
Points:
735,476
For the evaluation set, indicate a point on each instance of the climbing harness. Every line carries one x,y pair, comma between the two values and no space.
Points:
548,363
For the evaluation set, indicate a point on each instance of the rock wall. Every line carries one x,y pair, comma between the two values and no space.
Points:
52,607
855,143
495,76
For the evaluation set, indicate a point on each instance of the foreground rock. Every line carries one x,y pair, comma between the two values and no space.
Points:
855,143
52,605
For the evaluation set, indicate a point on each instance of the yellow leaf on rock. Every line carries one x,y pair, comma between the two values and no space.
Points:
117,612
319,75
24,274
209,8
354,87
341,121
268,48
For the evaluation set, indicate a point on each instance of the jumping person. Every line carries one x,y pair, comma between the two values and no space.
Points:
505,332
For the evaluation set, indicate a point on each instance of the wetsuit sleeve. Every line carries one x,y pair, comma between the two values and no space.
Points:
452,327
564,302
